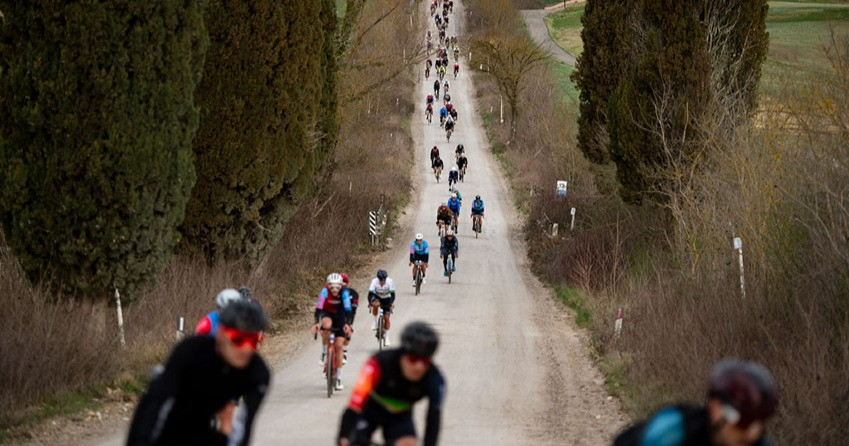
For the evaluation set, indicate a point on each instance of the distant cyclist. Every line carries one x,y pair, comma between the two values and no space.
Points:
334,314
459,151
443,216
449,123
390,383
454,204
453,113
477,211
429,113
453,177
462,163
434,153
209,324
419,252
437,166
381,295
436,88
741,397
456,69
443,115
190,402
456,190
449,246
446,85
429,99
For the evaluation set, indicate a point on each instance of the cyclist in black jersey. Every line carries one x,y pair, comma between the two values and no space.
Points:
190,402
390,383
741,397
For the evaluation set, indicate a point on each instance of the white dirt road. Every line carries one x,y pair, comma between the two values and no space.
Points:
517,370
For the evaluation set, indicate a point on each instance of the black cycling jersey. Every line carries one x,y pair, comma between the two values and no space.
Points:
195,385
437,163
462,161
685,423
384,398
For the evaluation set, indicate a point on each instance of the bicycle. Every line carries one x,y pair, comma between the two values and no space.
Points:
437,173
429,116
441,229
380,333
419,271
427,73
476,225
454,223
448,134
330,364
462,174
450,263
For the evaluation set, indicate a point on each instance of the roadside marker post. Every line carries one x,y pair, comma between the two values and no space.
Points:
617,326
120,319
181,328
572,226
738,245
562,187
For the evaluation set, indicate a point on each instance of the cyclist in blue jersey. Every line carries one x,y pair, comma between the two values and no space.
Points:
443,115
333,312
209,324
419,251
477,211
741,397
454,203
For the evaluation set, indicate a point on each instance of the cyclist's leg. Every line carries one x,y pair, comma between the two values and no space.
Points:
326,325
425,258
386,304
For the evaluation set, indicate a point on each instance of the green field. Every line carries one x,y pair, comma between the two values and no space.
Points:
799,32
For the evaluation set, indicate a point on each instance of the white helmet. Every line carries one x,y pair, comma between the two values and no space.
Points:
454,169
335,278
449,231
227,296
453,194
419,236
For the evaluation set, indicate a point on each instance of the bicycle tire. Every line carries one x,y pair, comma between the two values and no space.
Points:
380,332
418,279
329,368
450,267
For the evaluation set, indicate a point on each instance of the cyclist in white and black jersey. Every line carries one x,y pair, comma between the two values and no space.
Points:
381,295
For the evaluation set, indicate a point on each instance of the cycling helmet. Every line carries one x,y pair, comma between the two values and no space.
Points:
449,231
245,316
745,386
420,339
344,278
453,194
227,296
382,275
419,236
246,293
477,197
454,169
335,278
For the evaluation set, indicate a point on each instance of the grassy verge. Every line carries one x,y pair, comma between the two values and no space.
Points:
574,300
565,27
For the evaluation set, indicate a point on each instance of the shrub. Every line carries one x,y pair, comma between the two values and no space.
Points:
95,140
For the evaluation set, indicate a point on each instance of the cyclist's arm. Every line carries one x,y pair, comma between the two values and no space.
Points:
436,395
155,406
244,419
666,428
412,254
346,305
366,382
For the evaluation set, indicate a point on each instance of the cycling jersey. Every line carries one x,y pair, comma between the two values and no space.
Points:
437,163
181,402
681,425
384,291
443,112
449,246
443,213
384,398
449,124
334,304
415,248
454,176
436,84
462,161
477,207
208,325
429,99
434,153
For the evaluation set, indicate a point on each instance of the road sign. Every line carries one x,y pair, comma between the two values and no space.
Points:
561,188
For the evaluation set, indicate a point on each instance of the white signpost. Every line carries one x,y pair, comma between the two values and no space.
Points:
572,226
738,245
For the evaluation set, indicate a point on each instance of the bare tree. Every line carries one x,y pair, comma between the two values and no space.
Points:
508,61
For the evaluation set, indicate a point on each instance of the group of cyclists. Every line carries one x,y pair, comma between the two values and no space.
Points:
213,383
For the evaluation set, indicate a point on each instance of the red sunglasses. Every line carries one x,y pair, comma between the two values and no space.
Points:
242,338
415,359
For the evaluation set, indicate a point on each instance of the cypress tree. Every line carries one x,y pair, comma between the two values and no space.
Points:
658,107
600,70
95,137
263,134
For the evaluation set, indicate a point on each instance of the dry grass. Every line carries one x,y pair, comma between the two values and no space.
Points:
51,349
783,186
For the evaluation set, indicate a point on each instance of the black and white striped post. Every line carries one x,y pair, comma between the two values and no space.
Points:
372,227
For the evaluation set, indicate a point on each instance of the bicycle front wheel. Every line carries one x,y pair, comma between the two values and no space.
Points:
330,369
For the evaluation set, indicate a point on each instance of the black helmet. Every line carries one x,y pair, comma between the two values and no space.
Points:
745,386
477,197
382,275
245,316
418,338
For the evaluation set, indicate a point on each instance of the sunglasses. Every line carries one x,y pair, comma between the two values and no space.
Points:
242,338
415,359
335,287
